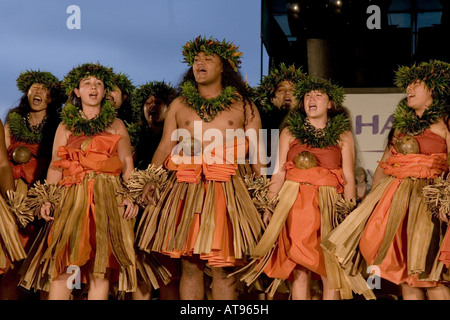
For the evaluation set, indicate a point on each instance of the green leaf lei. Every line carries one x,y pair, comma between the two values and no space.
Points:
77,123
406,120
301,129
20,130
207,109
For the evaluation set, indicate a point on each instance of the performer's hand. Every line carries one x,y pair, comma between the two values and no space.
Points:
266,217
131,210
444,216
147,193
46,211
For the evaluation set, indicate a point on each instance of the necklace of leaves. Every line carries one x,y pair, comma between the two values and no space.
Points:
22,130
77,123
207,109
303,130
406,120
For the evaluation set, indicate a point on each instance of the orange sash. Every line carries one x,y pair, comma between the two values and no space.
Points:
317,176
444,256
100,156
30,171
415,165
215,166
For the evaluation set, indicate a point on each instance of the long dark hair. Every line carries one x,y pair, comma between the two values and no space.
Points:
332,112
52,121
232,78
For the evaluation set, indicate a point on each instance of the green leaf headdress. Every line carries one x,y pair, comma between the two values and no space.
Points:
124,83
27,78
334,92
266,90
73,78
72,116
434,73
223,49
159,89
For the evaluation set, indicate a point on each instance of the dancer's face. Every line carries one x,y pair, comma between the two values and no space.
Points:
317,104
116,98
38,97
155,110
91,91
419,96
284,96
207,68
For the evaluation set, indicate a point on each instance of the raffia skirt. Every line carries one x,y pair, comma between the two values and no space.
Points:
393,230
216,220
11,248
88,231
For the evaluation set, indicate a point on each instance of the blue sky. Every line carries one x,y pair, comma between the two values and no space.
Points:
142,38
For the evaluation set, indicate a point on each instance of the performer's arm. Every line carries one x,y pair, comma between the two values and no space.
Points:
7,179
54,175
379,174
124,149
7,136
254,123
125,155
348,164
279,175
166,144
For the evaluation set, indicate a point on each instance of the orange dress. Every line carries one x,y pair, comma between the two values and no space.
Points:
34,169
25,174
30,172
205,209
299,241
430,163
88,229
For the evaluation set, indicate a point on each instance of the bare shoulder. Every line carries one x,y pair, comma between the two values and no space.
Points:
347,136
441,129
286,135
117,127
177,104
62,134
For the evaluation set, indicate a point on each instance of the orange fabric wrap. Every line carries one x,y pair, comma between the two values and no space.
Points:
394,266
444,255
87,243
415,165
214,166
317,176
100,156
299,240
32,170
222,249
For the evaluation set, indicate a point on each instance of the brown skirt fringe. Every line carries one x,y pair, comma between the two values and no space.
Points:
10,245
165,227
112,232
266,247
424,232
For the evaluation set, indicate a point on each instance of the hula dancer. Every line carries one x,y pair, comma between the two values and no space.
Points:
314,172
11,248
275,96
121,99
205,214
392,227
29,131
151,102
89,221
